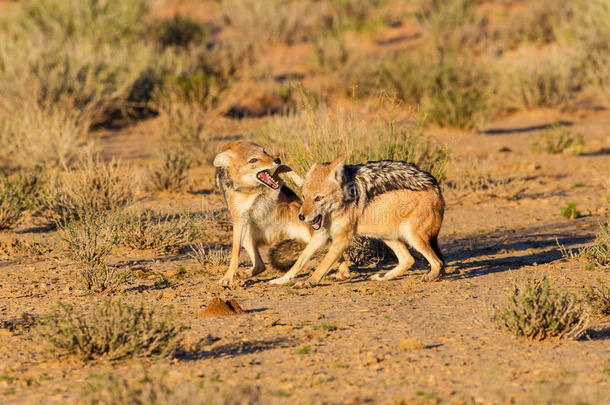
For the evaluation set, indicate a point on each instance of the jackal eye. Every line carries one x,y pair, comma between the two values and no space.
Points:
318,198
253,160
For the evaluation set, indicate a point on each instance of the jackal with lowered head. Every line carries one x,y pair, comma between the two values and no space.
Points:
389,200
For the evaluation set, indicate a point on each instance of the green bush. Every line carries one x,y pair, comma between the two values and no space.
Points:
537,313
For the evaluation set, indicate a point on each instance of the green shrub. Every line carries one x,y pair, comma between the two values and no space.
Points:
537,313
598,253
570,211
598,298
558,139
113,330
19,192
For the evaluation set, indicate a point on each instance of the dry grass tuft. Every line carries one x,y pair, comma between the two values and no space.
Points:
163,233
92,186
558,139
537,313
598,254
598,297
321,135
112,330
207,255
170,174
89,240
158,387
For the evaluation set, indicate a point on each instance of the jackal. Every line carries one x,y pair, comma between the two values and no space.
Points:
389,200
263,208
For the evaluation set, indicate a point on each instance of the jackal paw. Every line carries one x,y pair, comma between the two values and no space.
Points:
376,277
226,281
431,276
342,276
304,284
253,271
280,280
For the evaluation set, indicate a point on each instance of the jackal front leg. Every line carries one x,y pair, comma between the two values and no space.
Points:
334,253
238,234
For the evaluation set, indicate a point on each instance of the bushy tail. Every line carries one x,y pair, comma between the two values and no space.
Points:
284,254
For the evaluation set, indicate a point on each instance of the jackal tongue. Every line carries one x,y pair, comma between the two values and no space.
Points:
267,179
317,222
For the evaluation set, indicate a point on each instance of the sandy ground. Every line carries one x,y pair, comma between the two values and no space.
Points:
361,341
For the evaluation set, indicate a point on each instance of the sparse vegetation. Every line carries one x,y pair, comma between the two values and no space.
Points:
322,135
570,211
598,253
598,297
18,193
558,139
163,233
92,186
158,387
170,174
112,329
537,313
207,255
89,241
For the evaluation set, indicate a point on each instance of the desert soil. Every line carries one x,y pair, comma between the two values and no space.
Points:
361,341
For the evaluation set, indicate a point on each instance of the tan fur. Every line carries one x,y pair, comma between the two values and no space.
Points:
396,217
261,214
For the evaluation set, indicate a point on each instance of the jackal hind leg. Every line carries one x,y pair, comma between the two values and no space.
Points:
424,245
405,260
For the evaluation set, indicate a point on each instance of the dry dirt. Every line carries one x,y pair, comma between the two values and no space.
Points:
361,341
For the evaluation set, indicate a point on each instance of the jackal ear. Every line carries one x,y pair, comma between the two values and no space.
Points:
222,159
336,167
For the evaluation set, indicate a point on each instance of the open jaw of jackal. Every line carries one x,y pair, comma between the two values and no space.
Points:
265,178
317,222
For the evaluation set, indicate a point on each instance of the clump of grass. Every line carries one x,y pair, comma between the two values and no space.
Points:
537,313
570,211
552,81
264,22
170,174
207,255
598,297
558,139
363,251
47,134
598,254
321,135
92,186
179,31
163,233
303,350
157,386
112,329
19,192
89,241
457,94
330,327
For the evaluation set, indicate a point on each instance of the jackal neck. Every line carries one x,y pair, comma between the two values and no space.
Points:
223,181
